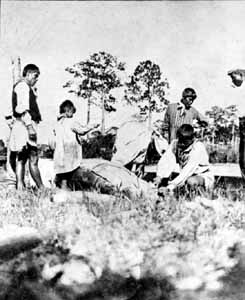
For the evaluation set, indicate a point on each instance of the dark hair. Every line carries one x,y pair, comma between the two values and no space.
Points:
189,92
67,105
30,68
185,131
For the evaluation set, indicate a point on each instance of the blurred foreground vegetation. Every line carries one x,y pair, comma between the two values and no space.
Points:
154,248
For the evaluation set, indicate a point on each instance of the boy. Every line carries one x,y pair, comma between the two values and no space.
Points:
181,113
188,158
23,122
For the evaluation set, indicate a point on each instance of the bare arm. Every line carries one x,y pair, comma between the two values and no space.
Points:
190,167
202,120
82,129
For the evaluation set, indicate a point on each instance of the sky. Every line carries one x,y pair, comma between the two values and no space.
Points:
195,43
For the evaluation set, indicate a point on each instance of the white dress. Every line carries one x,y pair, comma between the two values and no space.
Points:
68,152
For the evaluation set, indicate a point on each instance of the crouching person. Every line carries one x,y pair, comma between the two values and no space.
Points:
185,163
68,154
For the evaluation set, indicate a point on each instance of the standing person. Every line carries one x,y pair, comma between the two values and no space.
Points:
181,113
237,78
68,154
186,161
23,120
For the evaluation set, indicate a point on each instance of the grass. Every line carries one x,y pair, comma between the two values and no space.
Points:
167,243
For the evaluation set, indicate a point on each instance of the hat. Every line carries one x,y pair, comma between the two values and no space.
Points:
236,71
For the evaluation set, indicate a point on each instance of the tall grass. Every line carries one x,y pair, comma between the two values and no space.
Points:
166,238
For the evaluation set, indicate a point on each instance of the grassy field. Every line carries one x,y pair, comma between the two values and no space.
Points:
154,248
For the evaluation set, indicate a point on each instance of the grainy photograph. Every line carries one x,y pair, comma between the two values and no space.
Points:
122,150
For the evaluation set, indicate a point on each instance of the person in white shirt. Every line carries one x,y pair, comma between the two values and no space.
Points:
186,162
23,120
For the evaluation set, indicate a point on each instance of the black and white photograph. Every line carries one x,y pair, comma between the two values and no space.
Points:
122,150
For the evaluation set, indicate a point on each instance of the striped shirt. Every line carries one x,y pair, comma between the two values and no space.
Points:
176,115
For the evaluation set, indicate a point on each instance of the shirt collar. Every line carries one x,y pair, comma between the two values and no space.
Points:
180,105
181,108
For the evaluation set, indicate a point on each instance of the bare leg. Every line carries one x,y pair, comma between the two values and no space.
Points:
34,170
12,160
20,175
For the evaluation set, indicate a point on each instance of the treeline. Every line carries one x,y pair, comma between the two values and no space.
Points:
94,78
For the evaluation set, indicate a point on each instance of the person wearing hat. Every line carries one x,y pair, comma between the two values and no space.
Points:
181,113
237,77
186,161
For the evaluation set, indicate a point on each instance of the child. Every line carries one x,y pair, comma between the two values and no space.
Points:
68,154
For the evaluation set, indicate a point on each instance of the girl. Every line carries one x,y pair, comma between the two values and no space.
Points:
68,154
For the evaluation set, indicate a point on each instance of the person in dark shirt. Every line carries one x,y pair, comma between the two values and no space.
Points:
181,113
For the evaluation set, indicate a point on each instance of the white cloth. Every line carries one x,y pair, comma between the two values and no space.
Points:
19,135
161,143
132,141
119,176
236,96
197,164
68,152
22,90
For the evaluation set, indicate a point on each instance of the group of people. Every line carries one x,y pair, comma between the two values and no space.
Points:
23,119
185,162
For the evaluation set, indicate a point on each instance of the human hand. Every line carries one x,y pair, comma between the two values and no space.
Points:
60,116
96,125
10,123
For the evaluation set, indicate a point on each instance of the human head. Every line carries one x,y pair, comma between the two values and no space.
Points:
236,77
31,74
67,108
185,136
188,97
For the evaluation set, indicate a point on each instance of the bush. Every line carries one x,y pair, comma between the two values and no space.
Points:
220,153
100,146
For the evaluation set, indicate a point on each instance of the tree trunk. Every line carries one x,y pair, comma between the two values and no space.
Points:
202,134
88,111
233,134
213,135
149,116
150,112
103,115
